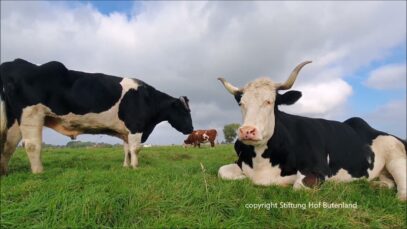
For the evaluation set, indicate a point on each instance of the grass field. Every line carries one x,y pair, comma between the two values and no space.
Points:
89,188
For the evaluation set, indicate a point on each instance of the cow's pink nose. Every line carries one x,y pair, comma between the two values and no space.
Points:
248,133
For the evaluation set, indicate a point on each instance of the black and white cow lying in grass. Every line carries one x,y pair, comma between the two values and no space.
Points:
73,103
274,147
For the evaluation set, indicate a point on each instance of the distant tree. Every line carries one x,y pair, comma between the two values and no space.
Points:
229,131
78,144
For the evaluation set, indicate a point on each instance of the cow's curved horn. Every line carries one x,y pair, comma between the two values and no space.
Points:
290,81
231,89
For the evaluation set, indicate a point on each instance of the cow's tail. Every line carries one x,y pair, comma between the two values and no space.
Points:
3,118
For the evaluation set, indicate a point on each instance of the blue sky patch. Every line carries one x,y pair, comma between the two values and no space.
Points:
364,98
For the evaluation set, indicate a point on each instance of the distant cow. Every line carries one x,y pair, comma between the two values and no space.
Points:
284,149
73,103
201,136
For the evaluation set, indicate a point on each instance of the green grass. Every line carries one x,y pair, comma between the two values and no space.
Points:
89,188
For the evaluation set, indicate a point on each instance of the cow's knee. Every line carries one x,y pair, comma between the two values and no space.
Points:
33,150
231,172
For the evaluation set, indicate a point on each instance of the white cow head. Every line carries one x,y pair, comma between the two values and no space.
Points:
257,101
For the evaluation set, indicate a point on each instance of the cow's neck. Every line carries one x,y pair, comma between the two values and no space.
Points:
263,152
158,107
163,107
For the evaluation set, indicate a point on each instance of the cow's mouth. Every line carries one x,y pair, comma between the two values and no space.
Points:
188,131
252,142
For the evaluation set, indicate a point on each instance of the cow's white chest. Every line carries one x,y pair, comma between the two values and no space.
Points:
263,173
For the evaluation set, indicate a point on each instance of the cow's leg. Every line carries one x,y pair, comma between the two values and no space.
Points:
231,172
398,168
32,121
126,162
13,138
385,180
134,147
394,153
212,143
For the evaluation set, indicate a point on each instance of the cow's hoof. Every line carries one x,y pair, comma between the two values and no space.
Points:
38,170
402,196
3,172
383,184
126,165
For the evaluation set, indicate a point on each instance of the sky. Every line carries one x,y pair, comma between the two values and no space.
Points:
358,51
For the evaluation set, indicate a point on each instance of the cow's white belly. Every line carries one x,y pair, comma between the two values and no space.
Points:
106,122
263,173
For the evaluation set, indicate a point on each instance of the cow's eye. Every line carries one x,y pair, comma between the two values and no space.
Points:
268,102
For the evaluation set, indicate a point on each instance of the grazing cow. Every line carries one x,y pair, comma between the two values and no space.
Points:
201,136
73,103
274,147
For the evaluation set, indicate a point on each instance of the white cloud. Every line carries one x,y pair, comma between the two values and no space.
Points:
182,47
320,98
392,76
390,117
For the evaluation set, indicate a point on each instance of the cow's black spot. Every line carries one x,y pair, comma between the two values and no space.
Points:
245,154
56,87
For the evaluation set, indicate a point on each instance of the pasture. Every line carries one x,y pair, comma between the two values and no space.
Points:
176,187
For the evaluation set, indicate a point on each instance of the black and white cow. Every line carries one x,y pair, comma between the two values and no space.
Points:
274,147
73,103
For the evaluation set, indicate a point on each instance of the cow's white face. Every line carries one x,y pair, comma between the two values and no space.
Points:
257,105
257,101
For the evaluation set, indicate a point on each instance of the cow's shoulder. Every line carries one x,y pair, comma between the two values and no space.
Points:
16,70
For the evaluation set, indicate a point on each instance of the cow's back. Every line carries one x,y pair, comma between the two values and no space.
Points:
56,87
367,133
321,146
363,129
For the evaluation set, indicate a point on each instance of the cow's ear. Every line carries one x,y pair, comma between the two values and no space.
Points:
185,102
288,98
238,96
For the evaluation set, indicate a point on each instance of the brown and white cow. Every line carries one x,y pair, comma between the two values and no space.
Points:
201,136
274,147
